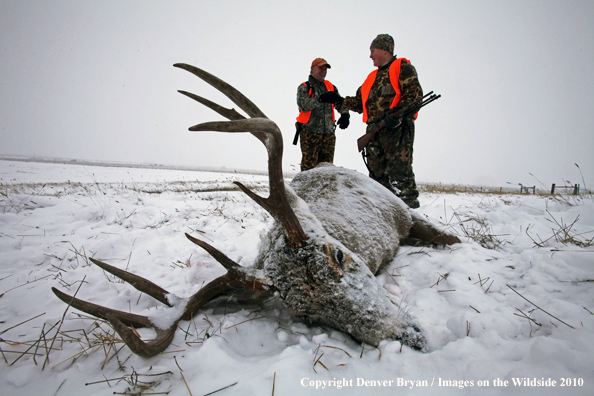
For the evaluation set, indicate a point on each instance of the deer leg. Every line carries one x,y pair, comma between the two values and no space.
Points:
429,233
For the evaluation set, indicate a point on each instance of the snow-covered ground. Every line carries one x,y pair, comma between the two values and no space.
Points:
509,309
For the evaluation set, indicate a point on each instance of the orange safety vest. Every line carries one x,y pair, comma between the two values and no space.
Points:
394,72
304,116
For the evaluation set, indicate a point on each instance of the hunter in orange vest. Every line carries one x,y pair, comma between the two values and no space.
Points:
303,117
394,74
393,85
316,120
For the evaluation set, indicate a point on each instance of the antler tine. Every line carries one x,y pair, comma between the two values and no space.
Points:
139,347
225,261
138,282
234,270
100,311
268,133
259,127
120,321
230,114
276,204
236,97
235,278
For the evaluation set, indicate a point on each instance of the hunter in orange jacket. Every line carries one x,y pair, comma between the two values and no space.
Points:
393,85
316,119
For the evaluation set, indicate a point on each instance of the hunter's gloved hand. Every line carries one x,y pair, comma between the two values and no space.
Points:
392,122
331,97
343,121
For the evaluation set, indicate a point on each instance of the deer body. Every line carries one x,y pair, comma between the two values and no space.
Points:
334,229
332,279
367,218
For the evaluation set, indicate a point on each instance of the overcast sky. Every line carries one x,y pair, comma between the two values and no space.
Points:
93,79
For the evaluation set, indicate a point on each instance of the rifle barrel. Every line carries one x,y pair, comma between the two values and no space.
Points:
420,100
414,109
431,99
411,108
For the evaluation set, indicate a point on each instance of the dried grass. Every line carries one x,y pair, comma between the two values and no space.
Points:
562,233
318,354
478,229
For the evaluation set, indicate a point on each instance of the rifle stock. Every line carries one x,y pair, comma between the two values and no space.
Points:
364,140
414,107
298,128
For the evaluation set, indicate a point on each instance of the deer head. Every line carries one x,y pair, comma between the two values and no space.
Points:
319,274
315,274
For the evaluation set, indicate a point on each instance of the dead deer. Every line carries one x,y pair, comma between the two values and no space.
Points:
334,229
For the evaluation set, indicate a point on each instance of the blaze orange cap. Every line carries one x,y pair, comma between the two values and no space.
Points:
320,62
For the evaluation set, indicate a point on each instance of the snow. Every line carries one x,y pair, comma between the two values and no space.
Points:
477,301
386,219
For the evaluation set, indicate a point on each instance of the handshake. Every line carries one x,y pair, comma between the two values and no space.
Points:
334,98
331,97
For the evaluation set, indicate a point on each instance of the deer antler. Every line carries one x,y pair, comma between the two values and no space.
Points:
268,133
235,278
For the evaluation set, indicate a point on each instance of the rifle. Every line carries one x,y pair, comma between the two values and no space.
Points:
298,128
398,115
298,125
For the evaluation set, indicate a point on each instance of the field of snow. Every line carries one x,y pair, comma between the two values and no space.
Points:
507,311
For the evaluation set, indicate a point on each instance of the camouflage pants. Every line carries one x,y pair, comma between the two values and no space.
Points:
389,160
316,148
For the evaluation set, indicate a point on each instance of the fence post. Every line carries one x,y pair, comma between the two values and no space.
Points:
553,189
576,189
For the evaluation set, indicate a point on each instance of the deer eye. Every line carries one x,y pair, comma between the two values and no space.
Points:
339,256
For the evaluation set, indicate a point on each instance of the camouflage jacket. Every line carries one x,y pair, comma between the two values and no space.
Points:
320,120
382,93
